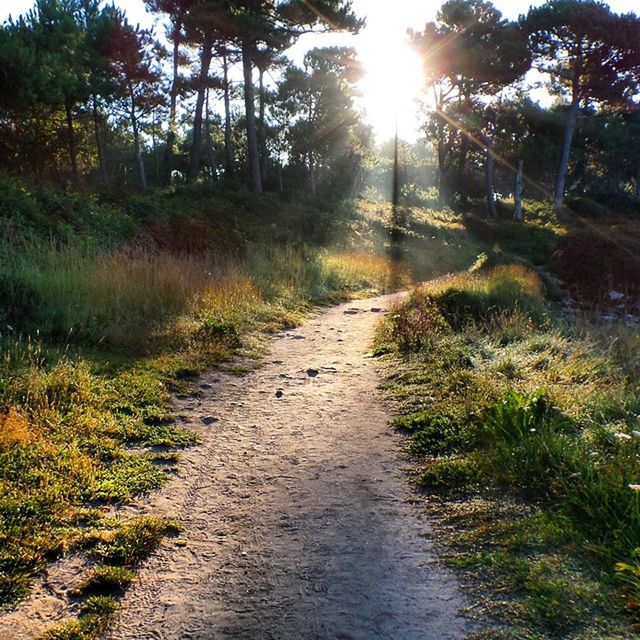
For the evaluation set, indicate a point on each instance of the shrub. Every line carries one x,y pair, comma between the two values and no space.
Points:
596,259
586,207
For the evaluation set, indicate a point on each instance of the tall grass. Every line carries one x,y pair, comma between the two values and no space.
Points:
121,298
68,420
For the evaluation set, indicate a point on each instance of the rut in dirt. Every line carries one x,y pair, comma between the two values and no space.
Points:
296,519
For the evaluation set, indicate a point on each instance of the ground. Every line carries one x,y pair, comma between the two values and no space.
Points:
297,520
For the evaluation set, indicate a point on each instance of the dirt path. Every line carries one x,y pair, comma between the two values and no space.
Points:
294,509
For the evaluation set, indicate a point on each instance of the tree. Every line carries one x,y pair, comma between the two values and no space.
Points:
470,54
227,56
586,50
322,124
59,42
132,52
177,11
99,25
253,25
201,24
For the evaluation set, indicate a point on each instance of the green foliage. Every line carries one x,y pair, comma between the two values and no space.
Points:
546,415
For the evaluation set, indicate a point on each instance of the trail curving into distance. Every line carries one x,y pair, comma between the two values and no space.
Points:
296,519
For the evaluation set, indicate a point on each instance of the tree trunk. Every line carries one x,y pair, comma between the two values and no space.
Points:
443,186
262,133
250,109
136,142
173,105
443,183
395,189
570,128
154,146
489,173
517,193
196,142
228,141
462,166
209,141
73,145
312,175
638,184
102,165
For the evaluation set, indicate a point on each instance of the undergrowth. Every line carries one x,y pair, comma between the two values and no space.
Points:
525,432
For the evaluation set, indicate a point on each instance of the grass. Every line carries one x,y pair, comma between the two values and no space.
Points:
95,614
133,327
111,303
98,332
523,431
107,579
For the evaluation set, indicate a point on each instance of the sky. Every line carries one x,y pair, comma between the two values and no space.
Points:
393,80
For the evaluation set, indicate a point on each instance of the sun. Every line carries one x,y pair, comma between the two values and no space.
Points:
393,85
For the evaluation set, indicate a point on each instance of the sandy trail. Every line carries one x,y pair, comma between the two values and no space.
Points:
295,516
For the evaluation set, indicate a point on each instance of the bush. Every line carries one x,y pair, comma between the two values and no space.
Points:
596,259
584,207
618,201
480,301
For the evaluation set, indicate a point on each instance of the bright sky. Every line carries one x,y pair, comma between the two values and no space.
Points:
394,78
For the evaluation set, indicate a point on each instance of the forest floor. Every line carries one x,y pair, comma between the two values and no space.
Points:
297,519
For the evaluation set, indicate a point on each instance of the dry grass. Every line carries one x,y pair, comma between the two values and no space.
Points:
67,419
15,429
